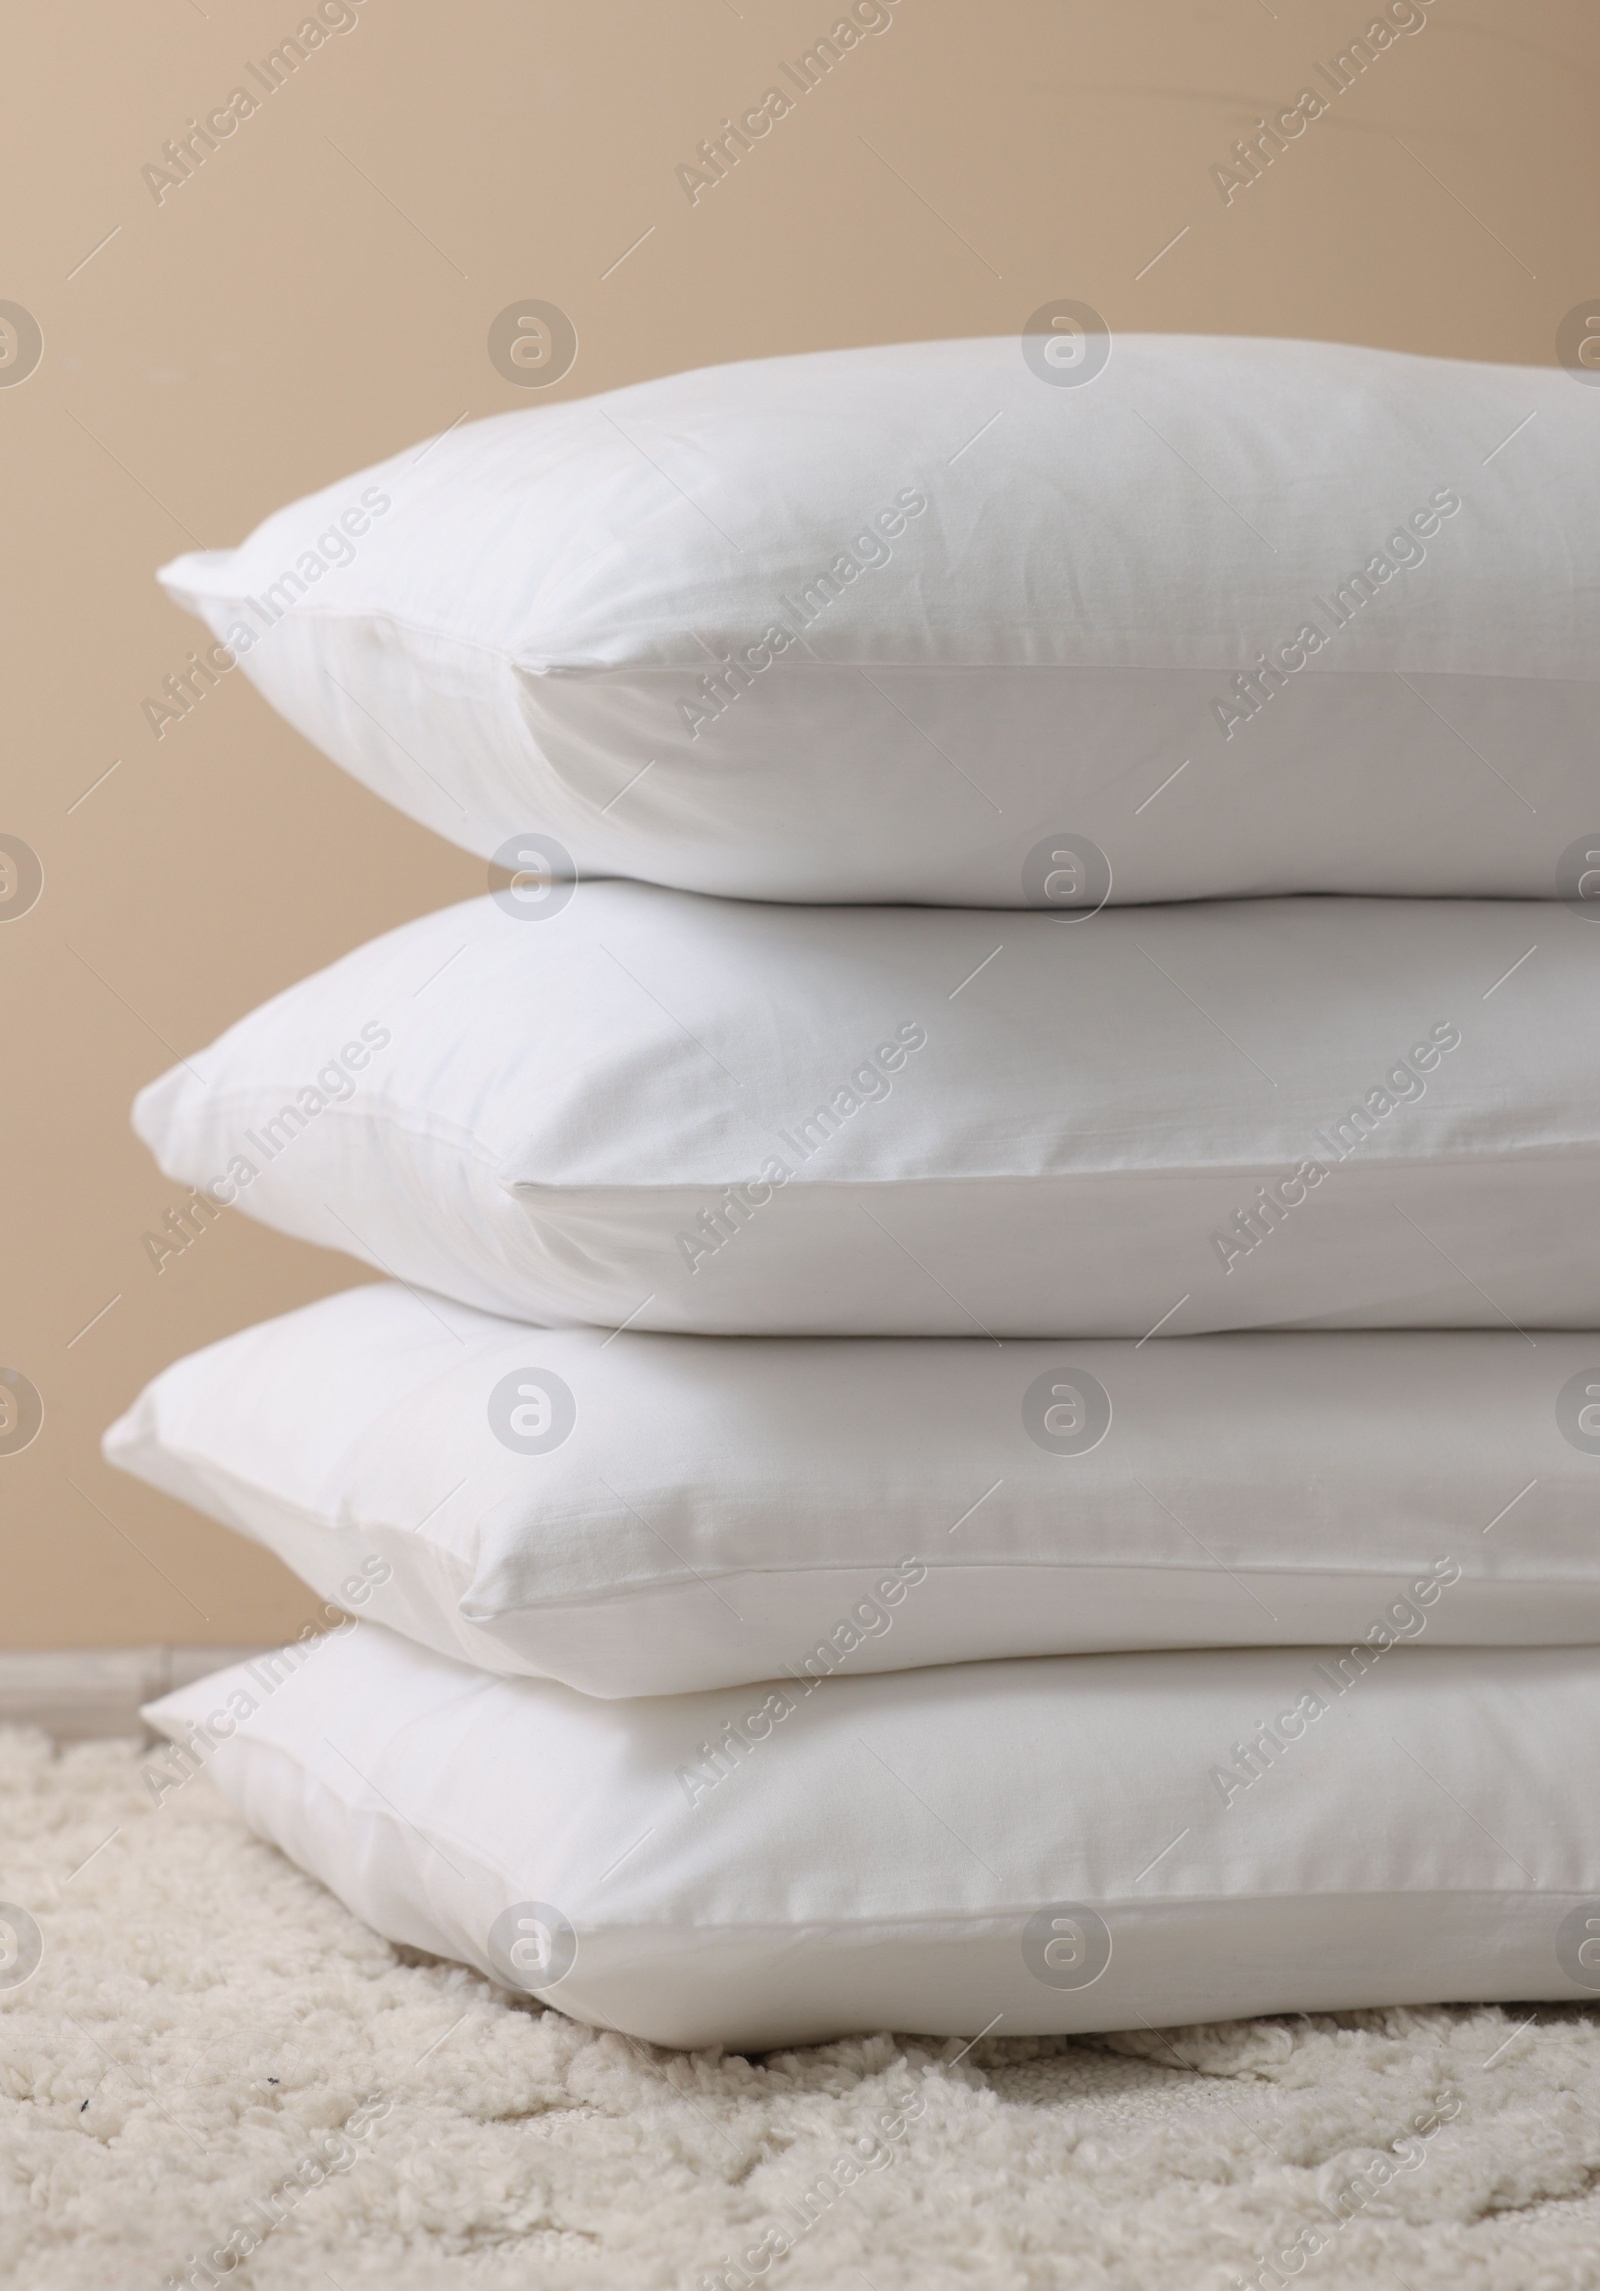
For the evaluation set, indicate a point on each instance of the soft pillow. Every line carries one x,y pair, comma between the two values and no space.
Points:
666,1514
911,623
1094,1842
641,1106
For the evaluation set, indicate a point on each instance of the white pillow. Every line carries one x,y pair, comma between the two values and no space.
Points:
634,1105
1099,1841
904,623
666,1514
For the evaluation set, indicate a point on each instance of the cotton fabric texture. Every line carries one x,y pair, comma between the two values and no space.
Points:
685,1114
1098,1842
646,1515
968,624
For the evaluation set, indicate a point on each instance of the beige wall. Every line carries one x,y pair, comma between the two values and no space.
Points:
319,294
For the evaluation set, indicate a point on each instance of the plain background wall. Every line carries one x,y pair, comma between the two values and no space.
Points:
319,294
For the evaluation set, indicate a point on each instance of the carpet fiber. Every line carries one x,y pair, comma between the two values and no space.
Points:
212,2049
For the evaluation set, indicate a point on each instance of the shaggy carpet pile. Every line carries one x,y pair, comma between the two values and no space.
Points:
214,2073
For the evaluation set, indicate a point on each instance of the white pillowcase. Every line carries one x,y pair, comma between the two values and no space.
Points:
639,1106
661,1515
901,623
1100,1841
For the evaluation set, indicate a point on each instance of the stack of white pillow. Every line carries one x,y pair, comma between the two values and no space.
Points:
984,1409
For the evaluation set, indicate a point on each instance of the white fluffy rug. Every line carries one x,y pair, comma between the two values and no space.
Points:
213,2058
